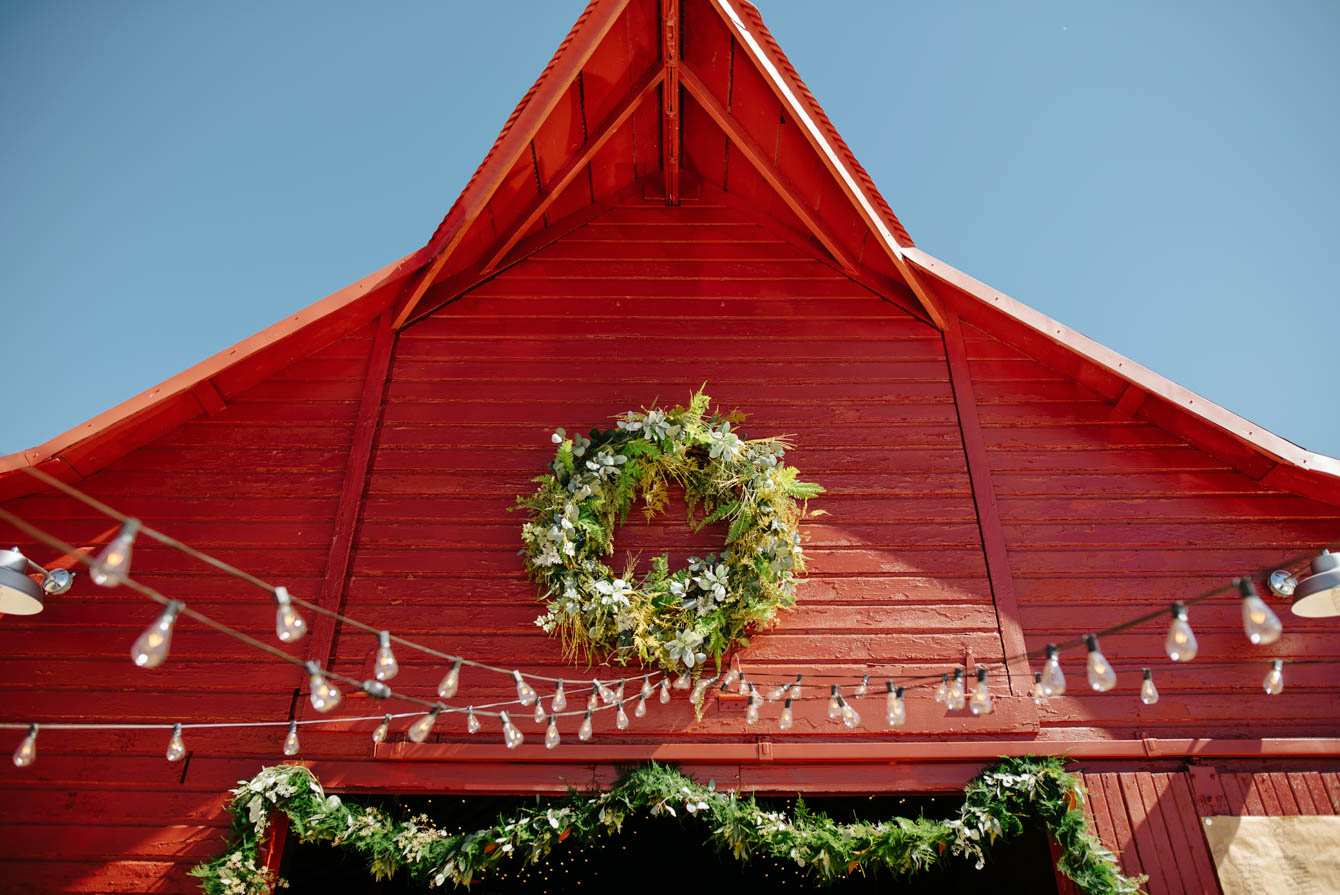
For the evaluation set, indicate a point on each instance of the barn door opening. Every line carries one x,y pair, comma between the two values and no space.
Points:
675,855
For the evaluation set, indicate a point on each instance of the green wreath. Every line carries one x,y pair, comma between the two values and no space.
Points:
671,619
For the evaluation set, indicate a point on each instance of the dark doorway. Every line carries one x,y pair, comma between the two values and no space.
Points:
657,854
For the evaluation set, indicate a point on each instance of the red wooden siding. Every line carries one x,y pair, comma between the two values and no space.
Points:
256,484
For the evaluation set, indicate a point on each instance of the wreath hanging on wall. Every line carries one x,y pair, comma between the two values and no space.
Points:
670,618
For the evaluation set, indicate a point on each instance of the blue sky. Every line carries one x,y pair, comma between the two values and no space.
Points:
1162,177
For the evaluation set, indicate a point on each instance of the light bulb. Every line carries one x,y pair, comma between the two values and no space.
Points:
447,688
325,695
646,686
621,718
955,697
1149,694
1101,676
980,702
744,686
778,692
850,716
525,693
592,700
375,689
1274,681
539,711
834,703
560,700
1053,679
751,713
682,681
551,735
942,691
419,730
786,719
862,688
606,694
584,732
732,676
113,564
699,689
379,735
291,741
512,736
471,722
1261,625
384,666
289,625
27,751
893,705
1180,644
176,749
665,691
641,709
151,648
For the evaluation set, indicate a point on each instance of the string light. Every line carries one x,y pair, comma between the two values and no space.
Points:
1261,625
665,691
419,730
850,717
379,735
955,697
942,691
551,738
1038,693
646,687
895,711
621,718
682,682
291,741
862,688
472,724
1180,644
1052,679
640,710
26,754
525,693
1274,680
113,564
980,703
450,682
1149,694
289,625
325,695
700,690
1101,676
176,749
539,711
151,647
834,703
384,665
592,700
783,690
584,732
751,713
606,694
732,675
512,736
785,720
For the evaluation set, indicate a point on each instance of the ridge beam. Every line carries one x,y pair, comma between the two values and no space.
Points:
670,99
759,158
606,129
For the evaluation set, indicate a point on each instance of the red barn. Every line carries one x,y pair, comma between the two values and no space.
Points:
669,206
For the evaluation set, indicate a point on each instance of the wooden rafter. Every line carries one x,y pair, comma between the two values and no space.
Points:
758,157
574,166
548,93
670,48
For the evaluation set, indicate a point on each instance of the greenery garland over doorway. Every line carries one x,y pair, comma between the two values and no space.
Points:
997,804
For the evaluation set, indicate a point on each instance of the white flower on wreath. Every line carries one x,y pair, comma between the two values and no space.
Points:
614,593
714,582
684,648
606,465
657,426
724,442
633,423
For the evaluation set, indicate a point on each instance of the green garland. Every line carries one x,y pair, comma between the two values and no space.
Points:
671,619
996,805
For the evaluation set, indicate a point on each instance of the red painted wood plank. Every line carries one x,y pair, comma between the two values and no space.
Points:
988,515
1298,788
1131,861
1321,800
1279,783
1096,808
1193,829
1177,848
1211,799
1266,803
1143,836
1167,856
1331,781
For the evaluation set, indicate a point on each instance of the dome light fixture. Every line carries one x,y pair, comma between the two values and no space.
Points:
1317,595
21,595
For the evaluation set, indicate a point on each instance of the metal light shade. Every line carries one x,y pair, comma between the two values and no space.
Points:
19,594
1318,595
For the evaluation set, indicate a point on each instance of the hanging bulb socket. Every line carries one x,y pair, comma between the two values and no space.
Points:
894,708
419,730
850,717
584,732
384,728
1149,694
955,695
665,691
112,565
324,695
1274,680
834,703
980,703
1180,644
646,686
862,688
1101,676
786,719
291,741
376,689
1053,679
551,738
942,691
384,664
289,625
471,721
26,754
1259,622
512,735
751,713
525,693
450,681
176,749
151,648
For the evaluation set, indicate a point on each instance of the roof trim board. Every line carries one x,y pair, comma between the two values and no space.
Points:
1139,377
